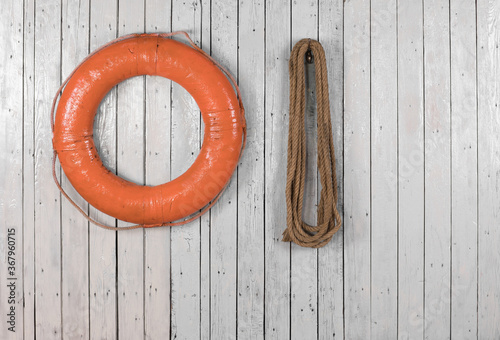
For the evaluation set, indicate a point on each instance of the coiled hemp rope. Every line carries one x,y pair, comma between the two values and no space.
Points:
329,220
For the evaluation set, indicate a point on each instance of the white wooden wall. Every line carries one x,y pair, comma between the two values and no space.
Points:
415,95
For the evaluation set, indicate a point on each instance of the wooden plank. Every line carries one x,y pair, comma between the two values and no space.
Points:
304,261
251,74
411,170
11,173
277,253
157,240
185,148
28,249
384,173
102,243
464,170
223,231
205,44
488,73
331,257
357,169
47,196
74,227
437,165
130,165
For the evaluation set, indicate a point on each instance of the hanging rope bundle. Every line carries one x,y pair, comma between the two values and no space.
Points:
329,220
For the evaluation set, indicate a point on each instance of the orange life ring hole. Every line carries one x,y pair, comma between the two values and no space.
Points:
195,71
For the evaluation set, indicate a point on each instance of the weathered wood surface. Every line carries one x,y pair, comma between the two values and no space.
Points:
415,114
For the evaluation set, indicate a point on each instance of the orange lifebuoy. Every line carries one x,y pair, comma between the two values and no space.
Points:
204,79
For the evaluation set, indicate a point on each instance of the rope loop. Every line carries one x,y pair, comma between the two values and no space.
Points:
329,220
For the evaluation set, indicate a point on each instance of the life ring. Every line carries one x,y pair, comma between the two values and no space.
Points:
158,55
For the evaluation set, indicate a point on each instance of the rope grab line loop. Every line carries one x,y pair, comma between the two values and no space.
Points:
329,220
55,155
